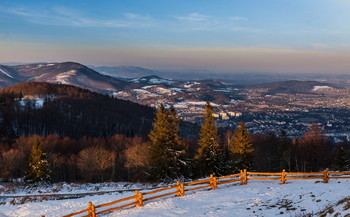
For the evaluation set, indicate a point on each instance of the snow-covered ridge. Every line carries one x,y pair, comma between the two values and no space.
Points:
8,75
316,88
152,80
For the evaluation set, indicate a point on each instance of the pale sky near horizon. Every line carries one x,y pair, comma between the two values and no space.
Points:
304,36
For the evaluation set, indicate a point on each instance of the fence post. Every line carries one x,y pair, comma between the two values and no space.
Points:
325,176
92,211
283,176
213,182
138,198
180,189
241,176
245,178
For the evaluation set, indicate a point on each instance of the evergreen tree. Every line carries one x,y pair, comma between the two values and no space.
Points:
178,164
284,150
209,156
341,162
280,153
166,151
241,148
38,167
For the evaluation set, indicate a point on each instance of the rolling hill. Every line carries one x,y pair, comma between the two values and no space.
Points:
63,73
44,108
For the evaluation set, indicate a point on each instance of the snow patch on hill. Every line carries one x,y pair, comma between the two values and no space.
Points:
38,102
142,94
8,75
316,88
160,90
63,77
152,80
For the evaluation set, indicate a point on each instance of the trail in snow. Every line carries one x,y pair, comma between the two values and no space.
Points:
6,73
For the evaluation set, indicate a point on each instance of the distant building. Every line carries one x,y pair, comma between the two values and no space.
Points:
238,114
232,114
224,116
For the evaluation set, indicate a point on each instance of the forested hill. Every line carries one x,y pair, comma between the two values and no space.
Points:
44,108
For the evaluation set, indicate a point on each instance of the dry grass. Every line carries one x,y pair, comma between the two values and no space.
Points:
330,209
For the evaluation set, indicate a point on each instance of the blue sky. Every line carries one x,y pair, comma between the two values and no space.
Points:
218,35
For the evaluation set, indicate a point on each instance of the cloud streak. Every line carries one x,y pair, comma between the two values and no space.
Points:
197,21
60,16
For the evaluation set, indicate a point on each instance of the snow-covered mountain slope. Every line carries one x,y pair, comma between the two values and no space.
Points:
7,76
5,73
64,73
258,198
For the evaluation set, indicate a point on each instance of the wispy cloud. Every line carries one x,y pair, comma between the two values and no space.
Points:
60,16
238,18
194,17
197,21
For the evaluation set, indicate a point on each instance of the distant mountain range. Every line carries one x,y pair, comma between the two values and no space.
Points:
243,78
63,73
293,87
144,86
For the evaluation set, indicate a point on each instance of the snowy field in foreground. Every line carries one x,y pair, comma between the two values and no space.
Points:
258,198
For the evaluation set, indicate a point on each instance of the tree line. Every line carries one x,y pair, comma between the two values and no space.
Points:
169,158
69,111
165,155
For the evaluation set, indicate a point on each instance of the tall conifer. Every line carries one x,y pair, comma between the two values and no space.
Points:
209,156
166,151
341,162
241,147
38,167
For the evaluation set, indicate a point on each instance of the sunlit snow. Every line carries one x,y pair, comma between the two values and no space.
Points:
316,88
62,77
257,198
8,75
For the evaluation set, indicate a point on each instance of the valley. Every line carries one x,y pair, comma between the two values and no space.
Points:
290,105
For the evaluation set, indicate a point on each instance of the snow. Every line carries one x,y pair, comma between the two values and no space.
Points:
316,88
201,103
5,73
161,90
152,80
159,81
181,105
190,84
62,77
142,94
223,90
50,64
257,198
121,93
176,89
342,208
39,102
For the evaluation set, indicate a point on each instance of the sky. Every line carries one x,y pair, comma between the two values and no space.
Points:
282,36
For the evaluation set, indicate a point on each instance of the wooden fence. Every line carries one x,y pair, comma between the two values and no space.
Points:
180,189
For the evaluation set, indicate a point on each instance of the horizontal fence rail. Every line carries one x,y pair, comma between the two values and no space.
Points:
179,189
